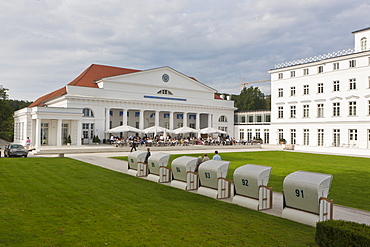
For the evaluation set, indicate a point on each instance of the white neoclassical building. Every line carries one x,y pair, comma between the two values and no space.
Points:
324,100
103,97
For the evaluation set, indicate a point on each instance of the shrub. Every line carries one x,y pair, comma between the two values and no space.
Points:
342,233
7,135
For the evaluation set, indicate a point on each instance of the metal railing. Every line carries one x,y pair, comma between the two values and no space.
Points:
314,58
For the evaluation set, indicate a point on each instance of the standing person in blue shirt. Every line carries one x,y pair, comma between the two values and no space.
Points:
216,156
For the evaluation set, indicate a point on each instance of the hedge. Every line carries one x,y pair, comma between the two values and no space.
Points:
342,233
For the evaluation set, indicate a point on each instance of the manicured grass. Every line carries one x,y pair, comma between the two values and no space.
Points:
350,186
63,202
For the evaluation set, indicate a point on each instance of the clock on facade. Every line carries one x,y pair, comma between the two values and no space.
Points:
165,77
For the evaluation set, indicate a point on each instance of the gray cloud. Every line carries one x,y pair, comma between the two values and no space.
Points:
45,44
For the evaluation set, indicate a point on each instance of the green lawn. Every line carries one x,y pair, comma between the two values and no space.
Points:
350,186
63,202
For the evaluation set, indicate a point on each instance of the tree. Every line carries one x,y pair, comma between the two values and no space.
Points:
250,99
6,112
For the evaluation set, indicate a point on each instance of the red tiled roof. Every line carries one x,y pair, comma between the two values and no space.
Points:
86,79
40,101
96,72
217,96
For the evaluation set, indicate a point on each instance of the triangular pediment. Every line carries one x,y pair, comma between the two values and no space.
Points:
156,79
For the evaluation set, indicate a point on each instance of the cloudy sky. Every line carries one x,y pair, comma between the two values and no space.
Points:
45,44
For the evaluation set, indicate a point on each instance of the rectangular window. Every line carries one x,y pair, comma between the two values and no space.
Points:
259,118
353,134
352,108
267,136
320,88
280,112
249,134
292,73
292,111
336,137
258,134
320,69
85,126
320,137
250,119
280,75
241,134
306,137
242,119
292,91
335,66
306,89
336,109
281,134
293,136
111,113
267,118
305,71
352,84
352,63
336,86
306,111
320,110
280,92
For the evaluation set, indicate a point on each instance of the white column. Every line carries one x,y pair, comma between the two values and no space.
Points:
172,120
141,120
209,120
185,119
38,133
124,117
197,121
156,118
59,133
79,132
107,121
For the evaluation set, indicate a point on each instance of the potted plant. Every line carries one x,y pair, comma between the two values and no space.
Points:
282,141
96,140
69,141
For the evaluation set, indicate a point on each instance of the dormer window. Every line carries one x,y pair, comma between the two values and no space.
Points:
363,44
165,91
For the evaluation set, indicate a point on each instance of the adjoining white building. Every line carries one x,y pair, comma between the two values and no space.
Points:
253,125
324,100
103,97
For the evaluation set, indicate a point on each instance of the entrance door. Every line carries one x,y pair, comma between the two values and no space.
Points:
64,133
44,133
352,138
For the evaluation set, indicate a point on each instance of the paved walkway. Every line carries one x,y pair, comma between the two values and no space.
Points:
103,160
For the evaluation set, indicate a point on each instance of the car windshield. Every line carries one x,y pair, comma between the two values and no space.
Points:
16,146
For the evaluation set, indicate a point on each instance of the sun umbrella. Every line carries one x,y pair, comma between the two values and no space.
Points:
210,130
184,130
123,128
156,129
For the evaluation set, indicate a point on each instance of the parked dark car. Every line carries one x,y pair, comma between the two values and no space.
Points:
15,150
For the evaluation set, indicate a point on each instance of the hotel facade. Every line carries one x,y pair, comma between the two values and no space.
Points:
321,101
103,97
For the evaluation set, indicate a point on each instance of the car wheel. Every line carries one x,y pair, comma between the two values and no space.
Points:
25,156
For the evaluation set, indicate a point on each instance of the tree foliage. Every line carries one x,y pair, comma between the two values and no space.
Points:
249,99
7,107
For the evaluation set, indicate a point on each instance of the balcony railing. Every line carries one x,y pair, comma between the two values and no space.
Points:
314,59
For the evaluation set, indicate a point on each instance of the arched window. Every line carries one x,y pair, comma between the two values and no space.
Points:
87,112
363,44
222,119
165,91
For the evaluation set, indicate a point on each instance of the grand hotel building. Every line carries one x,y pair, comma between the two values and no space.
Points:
103,97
